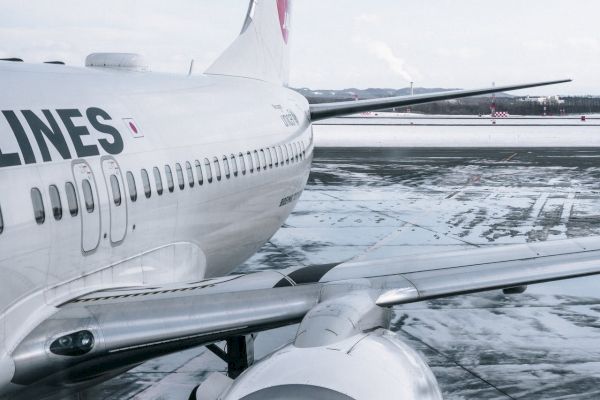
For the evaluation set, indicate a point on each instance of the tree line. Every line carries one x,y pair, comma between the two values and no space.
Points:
512,106
482,106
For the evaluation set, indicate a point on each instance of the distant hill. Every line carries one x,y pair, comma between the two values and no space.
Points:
481,105
330,95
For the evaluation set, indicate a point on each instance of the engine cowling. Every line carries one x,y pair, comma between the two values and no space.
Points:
342,351
375,365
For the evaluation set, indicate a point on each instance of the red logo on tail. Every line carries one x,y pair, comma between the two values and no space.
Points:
283,6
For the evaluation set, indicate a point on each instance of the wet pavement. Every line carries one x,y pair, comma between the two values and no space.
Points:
374,203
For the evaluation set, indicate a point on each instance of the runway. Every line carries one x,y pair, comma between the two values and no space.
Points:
410,130
374,203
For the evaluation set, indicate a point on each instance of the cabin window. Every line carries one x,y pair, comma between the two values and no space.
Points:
132,188
199,173
287,155
116,190
55,202
256,160
190,174
217,168
226,167
169,175
233,165
269,159
1,222
72,199
158,181
242,163
38,206
280,155
274,154
88,196
208,170
250,163
146,183
263,160
180,179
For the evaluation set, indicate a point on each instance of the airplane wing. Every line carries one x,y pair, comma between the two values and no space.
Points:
440,275
329,110
121,328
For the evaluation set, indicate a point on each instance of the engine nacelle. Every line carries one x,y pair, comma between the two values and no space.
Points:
375,365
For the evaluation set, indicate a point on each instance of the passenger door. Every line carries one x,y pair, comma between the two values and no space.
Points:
87,192
117,199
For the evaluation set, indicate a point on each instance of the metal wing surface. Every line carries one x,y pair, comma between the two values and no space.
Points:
131,325
468,271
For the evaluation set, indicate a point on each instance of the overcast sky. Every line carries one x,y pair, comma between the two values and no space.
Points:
335,43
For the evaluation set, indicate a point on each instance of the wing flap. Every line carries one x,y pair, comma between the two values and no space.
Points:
501,275
329,110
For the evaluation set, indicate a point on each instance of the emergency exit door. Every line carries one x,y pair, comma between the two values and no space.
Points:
87,192
117,200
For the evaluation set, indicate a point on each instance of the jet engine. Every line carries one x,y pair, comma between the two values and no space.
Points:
340,352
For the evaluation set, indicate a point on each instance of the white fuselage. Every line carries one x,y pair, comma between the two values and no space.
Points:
188,234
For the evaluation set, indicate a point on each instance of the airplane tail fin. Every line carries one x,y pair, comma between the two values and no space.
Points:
261,51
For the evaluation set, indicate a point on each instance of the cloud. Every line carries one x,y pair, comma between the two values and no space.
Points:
337,43
384,52
367,18
539,45
584,43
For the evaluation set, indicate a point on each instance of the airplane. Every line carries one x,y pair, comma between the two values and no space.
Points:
128,198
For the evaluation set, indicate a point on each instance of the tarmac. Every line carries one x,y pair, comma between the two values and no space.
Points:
367,203
431,131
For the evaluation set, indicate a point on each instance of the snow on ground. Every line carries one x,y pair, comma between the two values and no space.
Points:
458,131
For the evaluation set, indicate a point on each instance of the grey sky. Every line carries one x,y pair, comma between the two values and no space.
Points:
335,43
